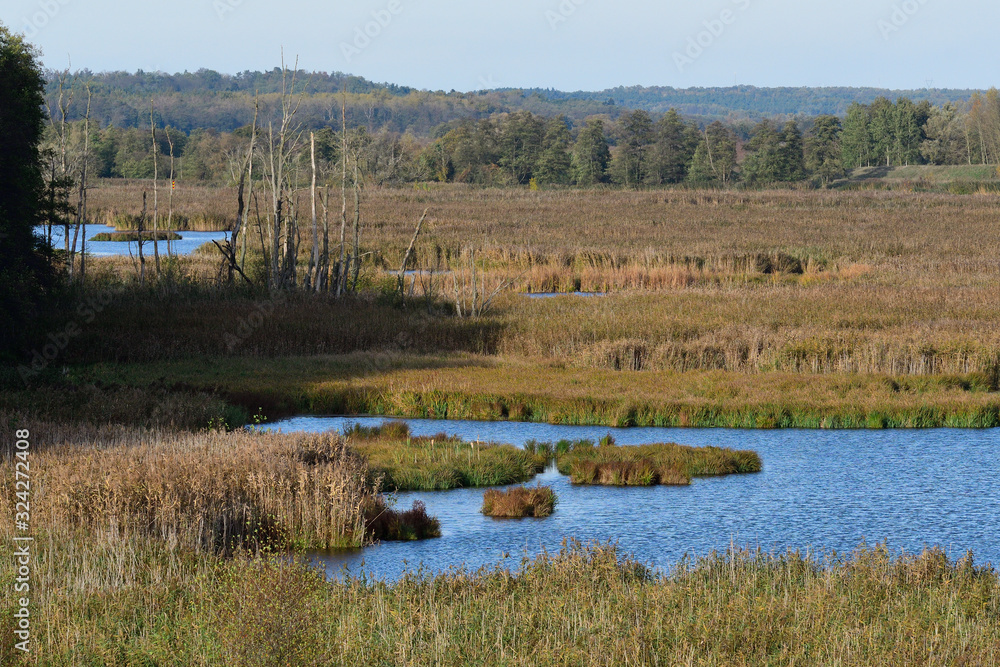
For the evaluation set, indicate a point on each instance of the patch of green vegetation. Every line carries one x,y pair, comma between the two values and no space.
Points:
648,465
439,462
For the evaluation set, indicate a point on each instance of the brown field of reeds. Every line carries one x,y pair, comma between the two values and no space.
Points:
214,491
889,283
519,502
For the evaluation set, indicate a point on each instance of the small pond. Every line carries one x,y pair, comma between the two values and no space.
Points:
820,490
187,245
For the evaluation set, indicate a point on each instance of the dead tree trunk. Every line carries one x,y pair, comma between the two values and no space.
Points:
156,179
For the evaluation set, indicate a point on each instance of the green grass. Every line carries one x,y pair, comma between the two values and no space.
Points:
440,462
490,388
648,465
123,601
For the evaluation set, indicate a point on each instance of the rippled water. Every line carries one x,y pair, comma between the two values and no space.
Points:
820,490
187,245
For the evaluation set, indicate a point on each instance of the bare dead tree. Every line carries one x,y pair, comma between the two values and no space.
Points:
473,297
406,256
342,265
140,228
156,180
281,146
245,170
63,101
170,196
81,207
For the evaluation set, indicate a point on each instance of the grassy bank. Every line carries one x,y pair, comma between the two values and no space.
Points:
482,388
648,465
581,606
436,463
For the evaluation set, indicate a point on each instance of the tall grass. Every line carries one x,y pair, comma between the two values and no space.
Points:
519,502
648,465
133,602
440,462
212,491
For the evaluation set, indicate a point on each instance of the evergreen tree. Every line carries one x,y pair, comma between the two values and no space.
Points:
591,154
856,140
791,154
554,164
25,277
714,161
635,132
823,150
763,162
673,150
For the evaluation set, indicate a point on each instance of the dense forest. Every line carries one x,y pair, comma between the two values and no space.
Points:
523,147
209,100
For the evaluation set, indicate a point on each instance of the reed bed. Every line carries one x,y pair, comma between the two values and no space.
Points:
135,236
484,388
826,328
439,462
649,465
118,203
585,605
214,491
519,502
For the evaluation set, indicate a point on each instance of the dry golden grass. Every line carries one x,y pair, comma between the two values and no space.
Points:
519,502
814,282
213,490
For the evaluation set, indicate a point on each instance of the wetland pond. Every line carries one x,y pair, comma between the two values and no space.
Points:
188,244
822,491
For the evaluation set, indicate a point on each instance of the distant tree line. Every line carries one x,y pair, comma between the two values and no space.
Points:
209,100
631,148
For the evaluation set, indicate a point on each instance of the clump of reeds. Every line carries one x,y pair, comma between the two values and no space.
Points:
648,465
215,491
386,523
440,462
135,236
519,502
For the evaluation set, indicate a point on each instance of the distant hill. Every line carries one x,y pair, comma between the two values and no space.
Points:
209,100
753,101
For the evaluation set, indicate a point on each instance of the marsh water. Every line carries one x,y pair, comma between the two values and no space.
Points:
825,491
188,244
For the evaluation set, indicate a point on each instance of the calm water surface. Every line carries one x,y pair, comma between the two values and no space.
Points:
819,490
187,245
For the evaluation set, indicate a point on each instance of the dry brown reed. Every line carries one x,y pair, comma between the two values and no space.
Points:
519,502
213,490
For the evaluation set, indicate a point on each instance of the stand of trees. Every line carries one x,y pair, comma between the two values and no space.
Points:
26,274
631,149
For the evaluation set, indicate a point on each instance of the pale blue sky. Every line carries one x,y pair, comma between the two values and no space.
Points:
563,44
